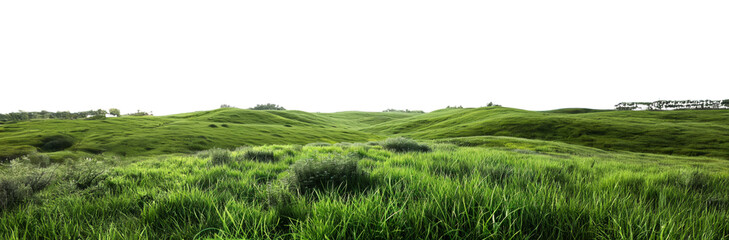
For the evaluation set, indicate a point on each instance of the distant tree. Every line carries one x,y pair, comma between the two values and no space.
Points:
403,111
139,113
225,106
725,102
115,112
267,106
490,104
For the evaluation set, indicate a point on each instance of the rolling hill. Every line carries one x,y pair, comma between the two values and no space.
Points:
685,132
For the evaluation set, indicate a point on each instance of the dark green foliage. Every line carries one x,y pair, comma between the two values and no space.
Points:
401,144
213,126
224,125
261,156
335,171
56,143
267,106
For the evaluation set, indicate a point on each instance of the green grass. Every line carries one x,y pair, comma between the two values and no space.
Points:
485,173
686,132
182,133
465,188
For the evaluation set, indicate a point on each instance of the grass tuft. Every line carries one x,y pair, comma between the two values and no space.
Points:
401,144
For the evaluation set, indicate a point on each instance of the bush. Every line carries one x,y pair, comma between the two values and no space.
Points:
212,125
261,156
37,159
267,106
330,171
318,144
401,144
19,181
86,173
12,193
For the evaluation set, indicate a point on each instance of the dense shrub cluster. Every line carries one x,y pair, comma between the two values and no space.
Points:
37,159
331,171
401,144
20,181
267,106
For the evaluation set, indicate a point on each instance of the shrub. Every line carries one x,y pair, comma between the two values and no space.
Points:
212,125
12,193
86,173
19,181
318,144
38,159
330,171
401,144
261,156
267,106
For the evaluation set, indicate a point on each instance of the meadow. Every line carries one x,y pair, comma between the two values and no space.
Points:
350,176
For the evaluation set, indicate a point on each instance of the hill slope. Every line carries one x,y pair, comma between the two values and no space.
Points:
694,133
687,132
180,133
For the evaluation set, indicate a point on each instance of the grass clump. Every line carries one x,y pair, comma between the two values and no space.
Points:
217,155
401,144
333,171
261,156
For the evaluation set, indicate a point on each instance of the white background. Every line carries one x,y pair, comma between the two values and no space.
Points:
325,56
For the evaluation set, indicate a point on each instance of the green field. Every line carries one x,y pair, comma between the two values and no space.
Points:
483,173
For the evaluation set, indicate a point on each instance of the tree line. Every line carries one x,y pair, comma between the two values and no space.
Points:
674,105
65,115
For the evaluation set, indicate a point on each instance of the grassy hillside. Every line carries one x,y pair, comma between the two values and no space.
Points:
687,132
182,133
499,188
